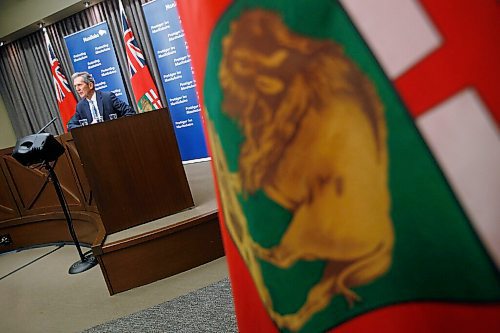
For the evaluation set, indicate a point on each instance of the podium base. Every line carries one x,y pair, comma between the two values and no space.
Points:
82,266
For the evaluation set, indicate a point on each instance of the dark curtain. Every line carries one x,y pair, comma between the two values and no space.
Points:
25,79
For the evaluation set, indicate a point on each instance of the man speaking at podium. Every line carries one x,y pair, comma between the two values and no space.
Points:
95,106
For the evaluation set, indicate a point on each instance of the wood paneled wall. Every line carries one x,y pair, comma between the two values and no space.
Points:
28,201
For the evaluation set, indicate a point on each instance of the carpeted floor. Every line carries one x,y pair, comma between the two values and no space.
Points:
208,309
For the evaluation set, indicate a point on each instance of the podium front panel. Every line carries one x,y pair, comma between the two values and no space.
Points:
134,168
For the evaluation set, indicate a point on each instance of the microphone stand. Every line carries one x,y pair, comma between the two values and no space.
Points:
88,261
41,149
46,125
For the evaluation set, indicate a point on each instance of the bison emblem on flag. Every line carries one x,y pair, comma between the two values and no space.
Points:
300,149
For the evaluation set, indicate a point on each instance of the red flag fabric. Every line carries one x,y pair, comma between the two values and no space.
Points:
468,57
66,101
145,91
335,215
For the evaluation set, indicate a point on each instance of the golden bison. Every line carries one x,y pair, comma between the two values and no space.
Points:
315,143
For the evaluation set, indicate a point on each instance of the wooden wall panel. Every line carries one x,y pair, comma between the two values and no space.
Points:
30,211
34,192
8,206
50,228
79,172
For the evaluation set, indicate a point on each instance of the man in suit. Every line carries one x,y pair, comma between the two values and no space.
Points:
95,106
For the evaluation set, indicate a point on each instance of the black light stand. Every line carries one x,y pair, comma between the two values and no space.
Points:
88,261
43,148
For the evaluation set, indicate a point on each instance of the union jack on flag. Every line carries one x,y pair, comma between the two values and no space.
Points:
134,54
145,91
66,101
60,83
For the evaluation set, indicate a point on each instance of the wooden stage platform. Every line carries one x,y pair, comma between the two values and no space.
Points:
166,246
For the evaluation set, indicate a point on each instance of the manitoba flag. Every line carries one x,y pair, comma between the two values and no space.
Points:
145,92
356,157
65,99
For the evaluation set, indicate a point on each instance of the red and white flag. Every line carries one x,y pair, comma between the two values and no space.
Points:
145,91
65,98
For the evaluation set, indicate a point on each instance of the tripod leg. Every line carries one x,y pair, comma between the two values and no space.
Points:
86,262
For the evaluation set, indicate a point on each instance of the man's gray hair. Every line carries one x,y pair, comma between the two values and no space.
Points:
87,77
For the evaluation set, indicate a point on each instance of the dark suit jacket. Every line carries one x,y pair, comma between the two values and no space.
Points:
107,103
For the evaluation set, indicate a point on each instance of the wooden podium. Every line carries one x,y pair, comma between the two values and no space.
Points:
134,168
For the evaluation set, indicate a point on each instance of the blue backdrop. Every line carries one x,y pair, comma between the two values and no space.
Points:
91,50
174,65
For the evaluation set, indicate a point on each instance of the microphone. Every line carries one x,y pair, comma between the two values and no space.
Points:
47,125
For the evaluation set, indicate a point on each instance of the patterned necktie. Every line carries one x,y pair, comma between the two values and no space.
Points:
94,111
